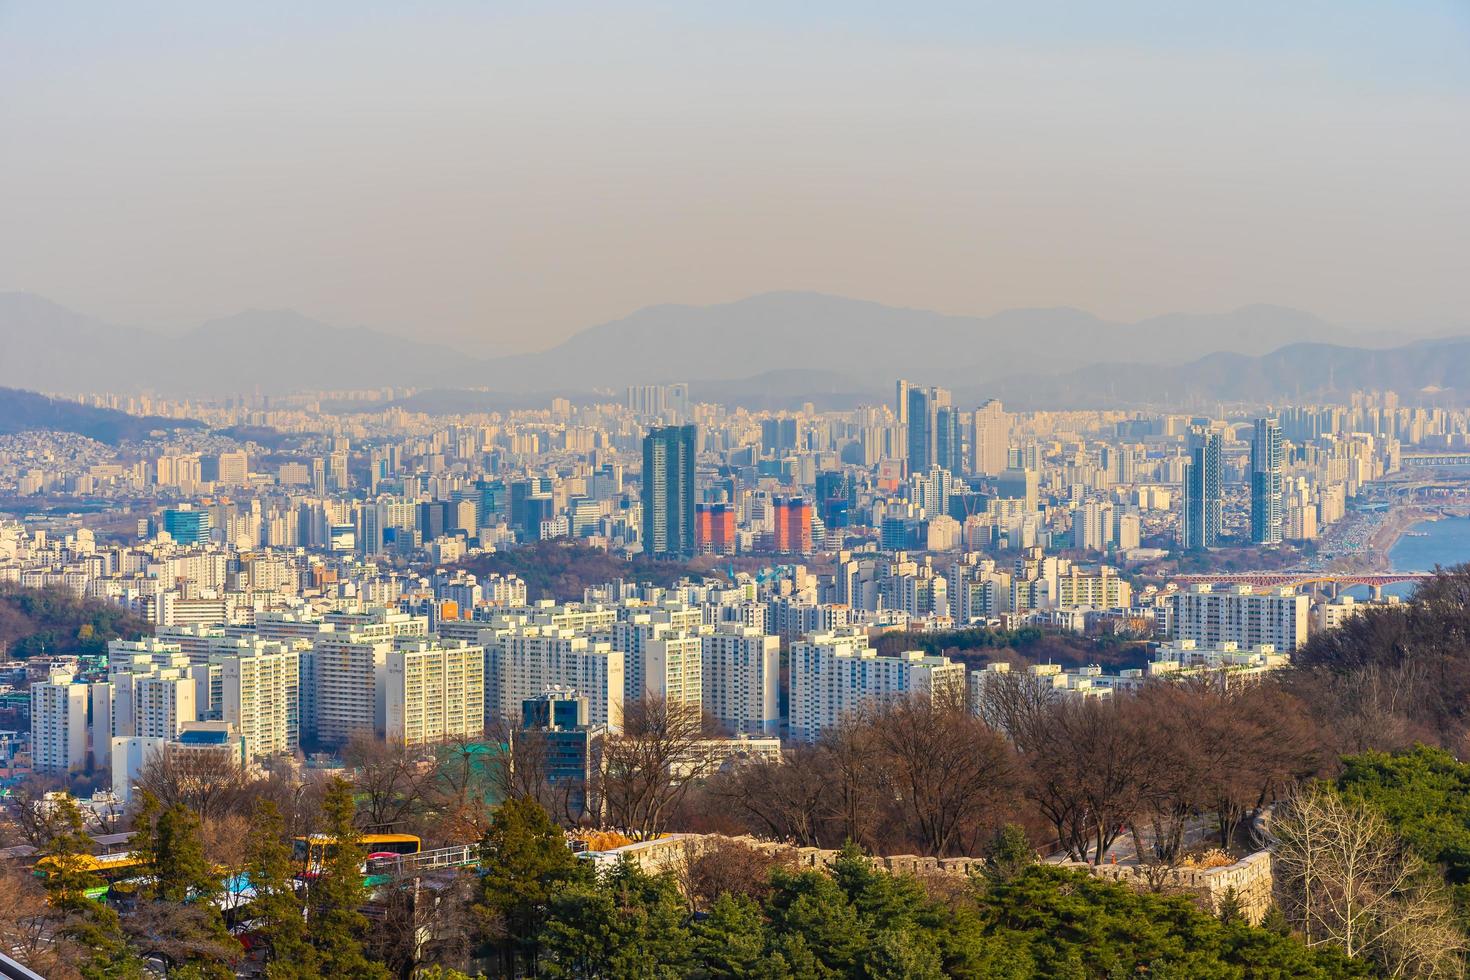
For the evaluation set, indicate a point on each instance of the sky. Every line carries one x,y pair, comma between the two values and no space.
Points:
497,176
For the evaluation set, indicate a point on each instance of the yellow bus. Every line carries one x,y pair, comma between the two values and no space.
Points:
310,853
111,868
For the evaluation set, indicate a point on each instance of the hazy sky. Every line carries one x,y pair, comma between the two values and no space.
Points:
500,175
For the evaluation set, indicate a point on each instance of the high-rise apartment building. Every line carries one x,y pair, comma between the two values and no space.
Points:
741,674
1211,615
714,529
990,439
233,468
1267,486
668,491
1203,517
793,525
433,690
347,667
672,670
164,701
833,675
59,724
261,697
531,660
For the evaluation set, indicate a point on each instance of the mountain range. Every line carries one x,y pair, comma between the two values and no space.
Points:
25,411
768,351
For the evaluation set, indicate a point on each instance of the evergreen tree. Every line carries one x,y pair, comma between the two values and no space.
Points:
337,927
180,869
1010,854
628,924
526,864
90,924
276,907
730,942
812,907
903,954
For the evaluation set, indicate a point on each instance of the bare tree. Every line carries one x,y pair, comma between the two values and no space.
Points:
1346,880
648,768
1087,772
947,768
27,925
391,781
785,800
847,754
34,822
212,784
719,866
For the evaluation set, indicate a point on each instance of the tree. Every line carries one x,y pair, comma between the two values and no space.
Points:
26,925
1053,921
1347,881
729,943
180,869
1087,772
278,911
624,924
1010,854
93,926
648,768
392,782
526,864
716,867
176,919
785,800
337,927
947,768
208,784
1424,794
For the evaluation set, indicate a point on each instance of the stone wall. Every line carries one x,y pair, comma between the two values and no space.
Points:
1249,878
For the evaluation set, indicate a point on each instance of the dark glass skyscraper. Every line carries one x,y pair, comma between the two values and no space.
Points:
933,430
1204,493
668,491
1266,483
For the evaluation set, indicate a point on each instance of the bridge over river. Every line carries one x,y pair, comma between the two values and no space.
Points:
1333,581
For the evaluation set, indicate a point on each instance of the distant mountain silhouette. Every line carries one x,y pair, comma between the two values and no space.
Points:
26,411
774,349
51,348
872,344
1423,372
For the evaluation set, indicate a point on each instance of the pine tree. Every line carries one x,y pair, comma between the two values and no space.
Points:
276,907
180,869
336,925
90,924
731,940
527,862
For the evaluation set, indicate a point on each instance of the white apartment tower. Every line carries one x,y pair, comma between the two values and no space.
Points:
741,679
1241,615
835,674
672,670
59,725
261,697
434,690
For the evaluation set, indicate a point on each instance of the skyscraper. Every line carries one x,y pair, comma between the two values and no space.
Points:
1204,494
668,491
991,439
927,443
1266,482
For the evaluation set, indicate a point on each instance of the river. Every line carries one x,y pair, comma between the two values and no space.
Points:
1443,542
